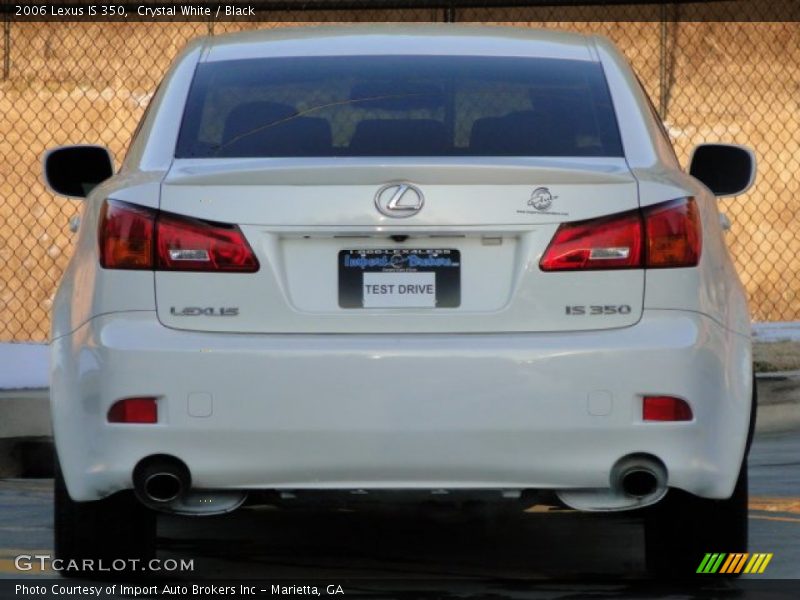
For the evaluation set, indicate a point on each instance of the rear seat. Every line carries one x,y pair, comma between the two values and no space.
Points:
399,137
289,136
523,133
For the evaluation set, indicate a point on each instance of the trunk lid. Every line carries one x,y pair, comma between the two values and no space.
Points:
478,238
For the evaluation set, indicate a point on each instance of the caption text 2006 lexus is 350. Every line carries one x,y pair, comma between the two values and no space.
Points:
401,259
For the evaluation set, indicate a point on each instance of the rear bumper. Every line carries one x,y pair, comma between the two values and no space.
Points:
499,411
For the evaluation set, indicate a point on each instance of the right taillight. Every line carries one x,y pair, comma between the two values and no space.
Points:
673,235
661,236
135,237
608,243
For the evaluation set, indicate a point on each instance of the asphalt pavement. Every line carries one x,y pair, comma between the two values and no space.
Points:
440,548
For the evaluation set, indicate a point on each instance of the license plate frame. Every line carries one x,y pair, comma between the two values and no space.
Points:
403,263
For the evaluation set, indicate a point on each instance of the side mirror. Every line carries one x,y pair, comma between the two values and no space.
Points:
74,171
726,169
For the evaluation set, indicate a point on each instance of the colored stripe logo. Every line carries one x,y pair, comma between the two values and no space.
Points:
734,563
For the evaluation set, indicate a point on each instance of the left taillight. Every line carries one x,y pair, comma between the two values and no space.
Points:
126,235
185,244
135,237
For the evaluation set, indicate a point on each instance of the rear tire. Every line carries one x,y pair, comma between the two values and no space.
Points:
682,528
117,527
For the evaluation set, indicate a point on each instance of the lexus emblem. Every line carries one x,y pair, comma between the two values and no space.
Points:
399,200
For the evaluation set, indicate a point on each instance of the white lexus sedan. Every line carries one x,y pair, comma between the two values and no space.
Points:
401,259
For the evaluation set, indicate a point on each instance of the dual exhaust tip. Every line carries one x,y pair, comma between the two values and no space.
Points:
639,476
160,480
164,483
639,483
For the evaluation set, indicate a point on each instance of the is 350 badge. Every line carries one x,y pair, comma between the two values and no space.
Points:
596,310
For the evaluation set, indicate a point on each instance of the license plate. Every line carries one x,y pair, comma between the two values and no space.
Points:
401,278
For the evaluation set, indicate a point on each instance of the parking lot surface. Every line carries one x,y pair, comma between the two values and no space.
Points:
438,547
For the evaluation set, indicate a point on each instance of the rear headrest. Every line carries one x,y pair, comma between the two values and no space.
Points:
250,115
399,137
271,129
524,133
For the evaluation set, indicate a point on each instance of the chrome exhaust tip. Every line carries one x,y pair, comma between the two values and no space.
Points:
639,483
162,487
639,476
159,480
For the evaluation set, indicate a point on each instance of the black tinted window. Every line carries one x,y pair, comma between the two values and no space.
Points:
398,106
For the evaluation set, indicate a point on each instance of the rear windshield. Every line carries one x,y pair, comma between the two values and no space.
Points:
398,106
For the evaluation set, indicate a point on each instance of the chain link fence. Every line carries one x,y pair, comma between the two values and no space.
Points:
732,75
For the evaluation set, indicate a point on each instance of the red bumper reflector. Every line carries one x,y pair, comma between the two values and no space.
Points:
666,408
134,410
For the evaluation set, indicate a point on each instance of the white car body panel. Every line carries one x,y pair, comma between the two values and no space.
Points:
400,40
504,392
485,411
297,228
